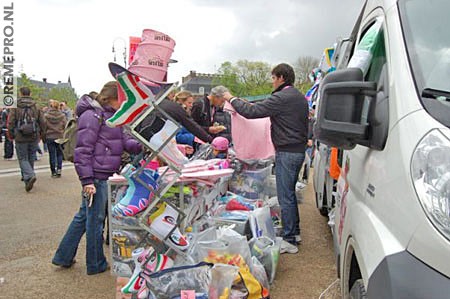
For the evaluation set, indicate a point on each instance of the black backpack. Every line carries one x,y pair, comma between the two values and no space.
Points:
27,123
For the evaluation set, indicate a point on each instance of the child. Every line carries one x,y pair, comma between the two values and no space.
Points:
220,147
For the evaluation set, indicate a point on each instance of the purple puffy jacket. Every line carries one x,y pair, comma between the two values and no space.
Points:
99,147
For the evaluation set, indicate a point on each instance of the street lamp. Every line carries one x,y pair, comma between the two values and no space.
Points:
124,50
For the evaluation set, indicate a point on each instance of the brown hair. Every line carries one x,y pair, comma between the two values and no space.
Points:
93,94
53,104
108,93
182,96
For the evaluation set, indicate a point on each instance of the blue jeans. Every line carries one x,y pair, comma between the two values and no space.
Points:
25,154
89,220
56,155
287,168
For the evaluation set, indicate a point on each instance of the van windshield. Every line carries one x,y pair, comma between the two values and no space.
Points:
426,28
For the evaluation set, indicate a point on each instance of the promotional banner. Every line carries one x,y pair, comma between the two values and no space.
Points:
134,42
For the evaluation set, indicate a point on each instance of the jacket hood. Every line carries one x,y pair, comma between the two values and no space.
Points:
87,103
54,116
24,102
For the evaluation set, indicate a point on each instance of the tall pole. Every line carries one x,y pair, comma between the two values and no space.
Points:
124,50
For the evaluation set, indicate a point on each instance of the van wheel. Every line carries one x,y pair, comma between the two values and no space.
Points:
358,291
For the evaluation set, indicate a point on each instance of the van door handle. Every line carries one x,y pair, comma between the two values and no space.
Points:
371,190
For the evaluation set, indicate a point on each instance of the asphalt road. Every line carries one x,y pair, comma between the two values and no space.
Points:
32,224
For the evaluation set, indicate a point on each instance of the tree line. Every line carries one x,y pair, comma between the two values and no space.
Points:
251,78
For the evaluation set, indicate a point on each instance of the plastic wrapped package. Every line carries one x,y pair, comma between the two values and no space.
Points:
260,273
208,235
235,202
123,242
267,252
270,189
237,220
169,283
227,250
222,277
261,223
250,183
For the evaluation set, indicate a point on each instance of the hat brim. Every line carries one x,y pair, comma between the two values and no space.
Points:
158,88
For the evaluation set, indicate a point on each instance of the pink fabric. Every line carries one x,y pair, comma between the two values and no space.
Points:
251,137
196,139
154,164
182,148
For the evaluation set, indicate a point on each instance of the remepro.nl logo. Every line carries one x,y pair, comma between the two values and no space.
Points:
8,82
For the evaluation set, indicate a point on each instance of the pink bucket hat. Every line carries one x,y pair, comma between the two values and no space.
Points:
220,143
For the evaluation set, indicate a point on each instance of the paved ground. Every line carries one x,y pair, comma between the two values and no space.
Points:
32,224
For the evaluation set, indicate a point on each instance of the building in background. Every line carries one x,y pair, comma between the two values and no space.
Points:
197,83
42,91
47,86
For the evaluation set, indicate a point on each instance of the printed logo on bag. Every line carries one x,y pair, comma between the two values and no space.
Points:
169,219
178,240
156,61
162,37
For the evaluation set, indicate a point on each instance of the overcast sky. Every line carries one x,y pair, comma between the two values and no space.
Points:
58,38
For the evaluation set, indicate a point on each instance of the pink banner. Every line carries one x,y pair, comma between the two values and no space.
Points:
134,42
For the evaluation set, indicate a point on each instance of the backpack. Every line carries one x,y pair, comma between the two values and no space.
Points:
26,123
69,140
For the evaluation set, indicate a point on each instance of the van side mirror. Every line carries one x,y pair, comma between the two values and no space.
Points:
343,109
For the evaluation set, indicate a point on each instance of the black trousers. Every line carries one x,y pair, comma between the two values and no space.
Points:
9,149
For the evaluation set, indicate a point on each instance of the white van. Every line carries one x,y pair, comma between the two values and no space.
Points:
390,115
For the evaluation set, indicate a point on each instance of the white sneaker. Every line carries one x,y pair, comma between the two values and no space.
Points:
299,186
287,247
298,239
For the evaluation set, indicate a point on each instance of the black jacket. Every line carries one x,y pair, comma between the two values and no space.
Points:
149,125
223,118
201,113
288,112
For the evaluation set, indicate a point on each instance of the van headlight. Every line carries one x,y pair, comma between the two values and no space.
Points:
430,170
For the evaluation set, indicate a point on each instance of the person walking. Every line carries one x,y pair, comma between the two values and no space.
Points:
97,156
55,122
8,150
65,110
25,125
288,112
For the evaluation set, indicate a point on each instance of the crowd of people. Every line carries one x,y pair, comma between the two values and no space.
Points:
98,153
26,126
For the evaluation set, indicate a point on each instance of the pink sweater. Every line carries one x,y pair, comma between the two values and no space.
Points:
251,137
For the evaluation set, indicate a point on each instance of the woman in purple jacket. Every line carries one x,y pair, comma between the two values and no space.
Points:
97,156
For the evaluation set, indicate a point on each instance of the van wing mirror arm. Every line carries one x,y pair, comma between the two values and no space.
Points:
351,87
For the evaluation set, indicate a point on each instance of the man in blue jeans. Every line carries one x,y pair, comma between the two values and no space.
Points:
26,124
288,112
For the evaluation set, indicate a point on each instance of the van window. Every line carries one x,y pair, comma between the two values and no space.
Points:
378,60
426,29
369,43
370,56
